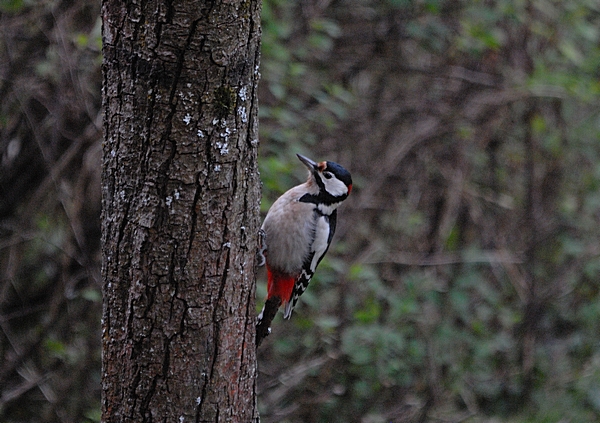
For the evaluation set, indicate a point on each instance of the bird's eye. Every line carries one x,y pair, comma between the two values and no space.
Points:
327,175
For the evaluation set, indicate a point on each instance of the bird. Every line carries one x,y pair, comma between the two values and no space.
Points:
297,232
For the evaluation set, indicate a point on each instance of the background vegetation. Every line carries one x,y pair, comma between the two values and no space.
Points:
463,284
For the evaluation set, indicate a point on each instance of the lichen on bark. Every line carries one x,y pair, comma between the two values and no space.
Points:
180,210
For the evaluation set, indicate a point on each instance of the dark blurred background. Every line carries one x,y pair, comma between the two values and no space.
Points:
464,280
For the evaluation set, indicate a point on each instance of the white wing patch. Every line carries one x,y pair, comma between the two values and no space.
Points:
319,248
320,242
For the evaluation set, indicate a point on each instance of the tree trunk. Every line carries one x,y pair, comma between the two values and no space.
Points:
180,210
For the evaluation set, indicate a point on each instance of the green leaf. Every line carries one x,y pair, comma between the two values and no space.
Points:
11,6
370,311
55,348
92,294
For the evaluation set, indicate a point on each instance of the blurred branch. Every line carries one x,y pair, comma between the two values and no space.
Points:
473,77
18,391
396,151
441,259
279,387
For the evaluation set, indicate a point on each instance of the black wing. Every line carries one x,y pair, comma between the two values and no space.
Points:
307,270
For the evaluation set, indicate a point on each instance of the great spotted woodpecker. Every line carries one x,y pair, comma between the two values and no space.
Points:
297,232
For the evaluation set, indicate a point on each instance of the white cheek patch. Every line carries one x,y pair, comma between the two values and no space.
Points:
335,187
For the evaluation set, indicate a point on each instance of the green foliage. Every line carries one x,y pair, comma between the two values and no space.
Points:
11,6
445,298
462,284
287,125
50,300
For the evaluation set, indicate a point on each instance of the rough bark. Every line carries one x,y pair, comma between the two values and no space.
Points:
180,210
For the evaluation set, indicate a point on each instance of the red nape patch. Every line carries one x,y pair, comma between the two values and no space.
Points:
349,189
280,285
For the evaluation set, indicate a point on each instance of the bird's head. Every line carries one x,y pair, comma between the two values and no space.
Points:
333,180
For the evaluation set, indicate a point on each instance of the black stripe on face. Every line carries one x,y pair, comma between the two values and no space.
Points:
318,179
323,197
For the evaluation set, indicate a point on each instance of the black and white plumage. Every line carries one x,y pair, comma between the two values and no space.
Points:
298,230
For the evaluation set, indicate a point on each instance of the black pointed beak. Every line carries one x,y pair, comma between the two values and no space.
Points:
307,162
